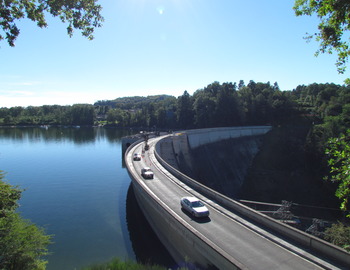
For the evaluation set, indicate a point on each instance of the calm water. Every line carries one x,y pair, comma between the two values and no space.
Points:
78,190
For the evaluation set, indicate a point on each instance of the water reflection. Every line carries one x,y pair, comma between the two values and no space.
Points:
80,135
146,245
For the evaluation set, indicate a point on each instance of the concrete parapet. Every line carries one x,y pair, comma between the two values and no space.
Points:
198,137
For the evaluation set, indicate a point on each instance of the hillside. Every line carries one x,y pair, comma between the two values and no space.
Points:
132,102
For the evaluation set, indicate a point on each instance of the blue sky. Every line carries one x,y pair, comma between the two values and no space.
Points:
150,47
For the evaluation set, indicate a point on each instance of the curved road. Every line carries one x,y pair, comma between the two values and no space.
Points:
251,246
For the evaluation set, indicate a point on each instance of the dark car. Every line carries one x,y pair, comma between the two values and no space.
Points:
147,173
137,156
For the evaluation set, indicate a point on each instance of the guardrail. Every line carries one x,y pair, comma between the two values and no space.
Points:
327,249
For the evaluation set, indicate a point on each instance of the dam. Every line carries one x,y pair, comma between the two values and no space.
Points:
211,154
235,237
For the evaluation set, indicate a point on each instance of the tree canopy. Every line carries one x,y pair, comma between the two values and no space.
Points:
22,243
81,15
334,23
339,162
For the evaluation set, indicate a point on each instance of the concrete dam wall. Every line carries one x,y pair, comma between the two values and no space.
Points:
218,158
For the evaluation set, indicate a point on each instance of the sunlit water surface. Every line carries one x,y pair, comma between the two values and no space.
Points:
76,188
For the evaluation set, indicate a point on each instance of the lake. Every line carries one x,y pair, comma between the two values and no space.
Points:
77,188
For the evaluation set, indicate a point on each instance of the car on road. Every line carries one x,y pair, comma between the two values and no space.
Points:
147,173
194,206
137,156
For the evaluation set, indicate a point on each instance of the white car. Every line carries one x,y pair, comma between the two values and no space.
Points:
147,173
194,206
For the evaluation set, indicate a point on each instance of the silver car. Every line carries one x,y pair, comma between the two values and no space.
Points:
194,206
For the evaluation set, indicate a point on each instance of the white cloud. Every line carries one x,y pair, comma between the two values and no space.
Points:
14,98
15,93
24,83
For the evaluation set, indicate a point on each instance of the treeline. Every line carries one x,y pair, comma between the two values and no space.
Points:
80,114
129,103
144,112
216,105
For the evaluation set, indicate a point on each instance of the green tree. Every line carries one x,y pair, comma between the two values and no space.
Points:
245,95
339,235
334,23
82,15
22,244
203,106
161,116
228,112
185,111
8,197
82,114
241,84
283,107
339,161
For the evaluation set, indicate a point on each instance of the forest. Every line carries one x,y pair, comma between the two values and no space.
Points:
324,106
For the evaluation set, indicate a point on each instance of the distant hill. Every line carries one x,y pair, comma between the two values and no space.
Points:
128,103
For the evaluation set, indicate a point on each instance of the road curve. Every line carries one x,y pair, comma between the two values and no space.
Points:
252,247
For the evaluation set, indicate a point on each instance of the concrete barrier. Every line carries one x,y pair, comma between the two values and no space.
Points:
198,137
322,247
